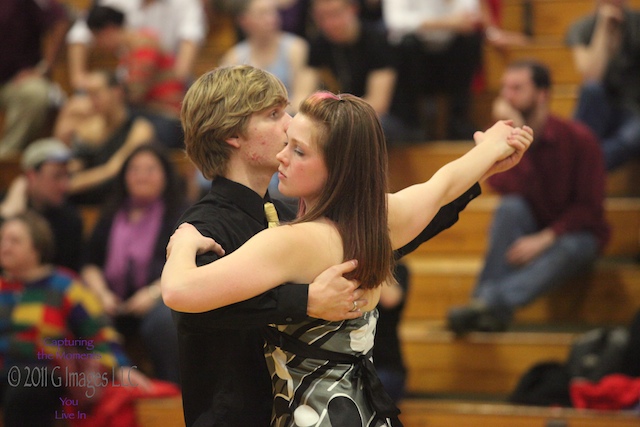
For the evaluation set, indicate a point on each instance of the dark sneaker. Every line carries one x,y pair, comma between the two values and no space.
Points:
474,318
463,319
487,322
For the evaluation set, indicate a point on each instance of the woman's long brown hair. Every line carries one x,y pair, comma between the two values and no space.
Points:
350,136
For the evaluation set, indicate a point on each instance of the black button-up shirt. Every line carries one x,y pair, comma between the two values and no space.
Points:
224,377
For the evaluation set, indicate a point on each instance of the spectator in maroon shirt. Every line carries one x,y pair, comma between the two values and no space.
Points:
550,223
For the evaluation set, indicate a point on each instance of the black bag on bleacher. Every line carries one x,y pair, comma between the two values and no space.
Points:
544,384
593,355
631,360
597,353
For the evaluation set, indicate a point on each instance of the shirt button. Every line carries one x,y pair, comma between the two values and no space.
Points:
289,319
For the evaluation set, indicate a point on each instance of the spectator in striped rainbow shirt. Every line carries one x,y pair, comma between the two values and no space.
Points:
52,328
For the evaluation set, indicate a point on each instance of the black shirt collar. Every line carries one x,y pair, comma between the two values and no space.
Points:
243,197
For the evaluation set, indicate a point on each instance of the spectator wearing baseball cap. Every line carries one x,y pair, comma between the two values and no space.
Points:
44,150
44,188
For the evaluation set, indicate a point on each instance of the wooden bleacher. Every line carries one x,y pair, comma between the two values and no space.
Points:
469,237
160,412
411,164
425,413
609,295
554,53
487,364
443,273
460,381
486,367
549,20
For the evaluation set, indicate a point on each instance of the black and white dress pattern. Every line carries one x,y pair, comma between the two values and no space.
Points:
318,392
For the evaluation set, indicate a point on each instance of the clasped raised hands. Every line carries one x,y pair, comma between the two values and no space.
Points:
518,140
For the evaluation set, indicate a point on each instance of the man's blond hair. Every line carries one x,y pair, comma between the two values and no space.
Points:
218,106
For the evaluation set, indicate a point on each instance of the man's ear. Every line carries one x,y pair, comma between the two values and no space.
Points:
234,141
544,96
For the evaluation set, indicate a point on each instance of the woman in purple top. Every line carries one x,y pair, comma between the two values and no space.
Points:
126,252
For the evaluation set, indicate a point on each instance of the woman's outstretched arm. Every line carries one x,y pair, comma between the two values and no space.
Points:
412,208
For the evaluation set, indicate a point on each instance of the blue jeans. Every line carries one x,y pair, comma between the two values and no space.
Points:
504,287
617,126
393,382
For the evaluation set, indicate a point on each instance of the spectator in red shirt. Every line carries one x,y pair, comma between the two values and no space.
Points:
550,223
147,71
